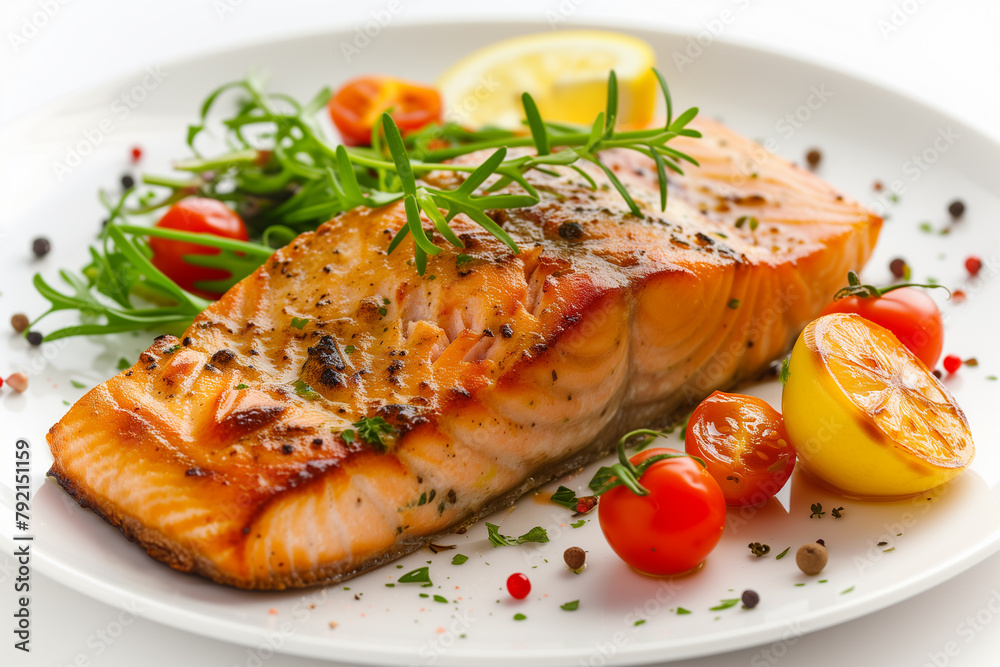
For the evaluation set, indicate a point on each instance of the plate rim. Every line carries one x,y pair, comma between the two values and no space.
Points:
163,612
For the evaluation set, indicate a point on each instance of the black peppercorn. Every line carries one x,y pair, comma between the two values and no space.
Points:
813,158
956,209
750,599
41,246
35,338
127,181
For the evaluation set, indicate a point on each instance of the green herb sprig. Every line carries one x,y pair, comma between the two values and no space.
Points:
284,176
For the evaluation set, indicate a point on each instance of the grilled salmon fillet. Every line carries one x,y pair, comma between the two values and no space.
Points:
224,452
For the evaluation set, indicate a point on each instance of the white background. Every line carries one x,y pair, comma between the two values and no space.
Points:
946,54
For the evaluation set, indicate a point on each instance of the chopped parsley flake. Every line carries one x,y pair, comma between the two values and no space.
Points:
349,349
782,554
300,322
459,559
520,617
536,534
565,496
847,590
419,576
570,606
123,364
305,391
640,621
785,373
242,386
371,430
734,303
578,524
440,598
78,385
681,611
817,511
463,259
725,604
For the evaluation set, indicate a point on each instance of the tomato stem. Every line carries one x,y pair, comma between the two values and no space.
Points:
626,473
862,291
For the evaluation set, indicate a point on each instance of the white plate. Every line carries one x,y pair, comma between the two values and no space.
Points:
866,133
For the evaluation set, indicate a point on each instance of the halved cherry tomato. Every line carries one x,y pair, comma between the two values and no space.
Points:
908,312
743,443
358,105
201,215
673,528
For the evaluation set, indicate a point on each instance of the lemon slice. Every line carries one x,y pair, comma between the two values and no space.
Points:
866,416
566,73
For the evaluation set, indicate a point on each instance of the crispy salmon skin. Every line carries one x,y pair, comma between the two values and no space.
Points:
225,453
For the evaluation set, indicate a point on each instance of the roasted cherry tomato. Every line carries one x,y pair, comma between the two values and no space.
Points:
907,312
743,443
358,106
673,528
201,215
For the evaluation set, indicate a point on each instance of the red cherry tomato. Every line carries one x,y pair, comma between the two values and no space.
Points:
674,528
743,443
908,313
518,586
358,106
201,215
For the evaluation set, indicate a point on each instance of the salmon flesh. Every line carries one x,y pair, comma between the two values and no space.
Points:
224,452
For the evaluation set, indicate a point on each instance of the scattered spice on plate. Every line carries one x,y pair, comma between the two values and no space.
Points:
758,549
952,363
817,511
973,264
971,361
575,558
956,209
20,322
837,512
41,247
750,599
127,181
814,157
782,554
136,153
811,558
34,338
899,268
518,586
